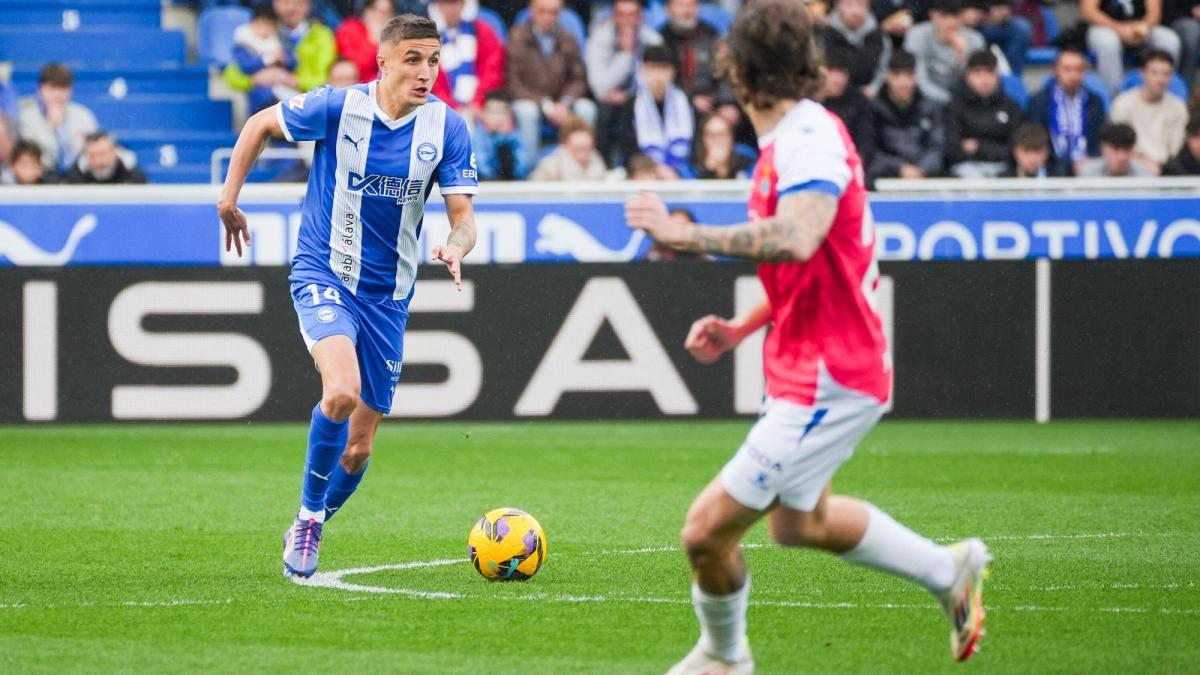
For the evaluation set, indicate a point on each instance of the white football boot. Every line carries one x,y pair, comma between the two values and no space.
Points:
964,601
699,662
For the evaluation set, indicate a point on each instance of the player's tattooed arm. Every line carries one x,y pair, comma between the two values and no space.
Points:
795,232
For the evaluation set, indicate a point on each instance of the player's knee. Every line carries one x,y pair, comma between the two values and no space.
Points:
356,455
700,543
338,402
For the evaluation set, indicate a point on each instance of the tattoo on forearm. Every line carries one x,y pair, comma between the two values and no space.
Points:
799,226
462,236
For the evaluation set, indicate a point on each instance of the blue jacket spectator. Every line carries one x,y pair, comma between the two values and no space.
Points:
495,142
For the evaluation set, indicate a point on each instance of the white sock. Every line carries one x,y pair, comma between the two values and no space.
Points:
305,514
722,621
892,547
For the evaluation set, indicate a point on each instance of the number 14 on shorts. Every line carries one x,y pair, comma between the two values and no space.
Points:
332,294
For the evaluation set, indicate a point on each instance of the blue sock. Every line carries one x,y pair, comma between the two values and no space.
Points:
341,485
326,441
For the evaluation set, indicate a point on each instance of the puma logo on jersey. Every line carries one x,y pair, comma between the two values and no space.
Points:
403,190
353,142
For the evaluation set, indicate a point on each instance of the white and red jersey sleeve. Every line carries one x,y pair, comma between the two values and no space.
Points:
823,309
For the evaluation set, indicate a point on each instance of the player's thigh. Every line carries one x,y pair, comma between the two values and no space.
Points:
329,326
716,521
380,353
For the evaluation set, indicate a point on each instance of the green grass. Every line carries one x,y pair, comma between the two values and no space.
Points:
156,548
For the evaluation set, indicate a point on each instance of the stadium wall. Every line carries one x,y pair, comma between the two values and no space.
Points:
998,339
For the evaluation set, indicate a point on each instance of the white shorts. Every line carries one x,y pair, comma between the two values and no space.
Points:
793,451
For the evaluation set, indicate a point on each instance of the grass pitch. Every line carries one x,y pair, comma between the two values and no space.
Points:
156,548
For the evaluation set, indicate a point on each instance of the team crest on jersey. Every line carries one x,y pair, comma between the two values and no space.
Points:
403,190
427,152
326,314
297,102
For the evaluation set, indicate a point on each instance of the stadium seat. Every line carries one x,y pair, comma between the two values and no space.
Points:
118,81
215,29
71,15
493,20
1177,85
655,15
1045,55
1014,88
196,113
717,16
132,46
568,19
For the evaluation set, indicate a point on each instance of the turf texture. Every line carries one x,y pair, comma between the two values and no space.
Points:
156,549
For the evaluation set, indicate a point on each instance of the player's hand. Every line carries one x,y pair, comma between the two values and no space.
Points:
710,337
236,227
646,211
452,256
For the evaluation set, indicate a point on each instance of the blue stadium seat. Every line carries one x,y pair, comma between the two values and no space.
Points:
1014,88
1177,85
1049,23
70,15
97,80
215,29
655,15
568,19
717,16
493,20
195,113
133,46
1045,55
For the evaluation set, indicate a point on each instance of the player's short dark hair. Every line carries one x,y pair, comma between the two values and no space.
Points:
660,54
982,58
1193,125
1157,55
902,61
772,53
56,75
22,148
408,27
1031,136
264,10
1118,135
944,6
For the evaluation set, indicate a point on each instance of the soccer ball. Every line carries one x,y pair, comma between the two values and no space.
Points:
507,545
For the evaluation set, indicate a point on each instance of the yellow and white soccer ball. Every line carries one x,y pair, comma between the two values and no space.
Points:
507,545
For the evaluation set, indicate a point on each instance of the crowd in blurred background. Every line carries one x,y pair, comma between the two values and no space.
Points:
587,91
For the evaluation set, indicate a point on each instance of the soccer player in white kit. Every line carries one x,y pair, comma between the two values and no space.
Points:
826,361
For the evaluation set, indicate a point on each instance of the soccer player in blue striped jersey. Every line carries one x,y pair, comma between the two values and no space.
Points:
379,149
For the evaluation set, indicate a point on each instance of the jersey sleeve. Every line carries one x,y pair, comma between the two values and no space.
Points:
811,155
305,117
457,173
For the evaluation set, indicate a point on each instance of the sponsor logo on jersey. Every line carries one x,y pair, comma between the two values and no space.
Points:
393,366
326,314
427,152
403,190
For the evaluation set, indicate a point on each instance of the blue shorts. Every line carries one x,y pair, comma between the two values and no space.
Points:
376,329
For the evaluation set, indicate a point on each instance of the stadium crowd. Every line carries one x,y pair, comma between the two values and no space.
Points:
925,87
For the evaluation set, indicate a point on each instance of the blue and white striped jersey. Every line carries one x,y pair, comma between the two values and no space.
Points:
370,178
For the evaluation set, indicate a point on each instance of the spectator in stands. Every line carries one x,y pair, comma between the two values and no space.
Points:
544,72
472,62
693,43
910,134
259,53
101,162
575,158
848,103
53,122
1117,25
310,45
895,17
1187,162
343,73
942,46
716,155
854,35
614,50
7,139
358,36
640,166
1158,117
996,22
1071,113
663,123
28,167
980,121
1116,155
1183,16
1030,153
495,143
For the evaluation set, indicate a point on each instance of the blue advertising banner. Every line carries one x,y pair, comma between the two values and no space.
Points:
541,228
